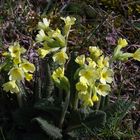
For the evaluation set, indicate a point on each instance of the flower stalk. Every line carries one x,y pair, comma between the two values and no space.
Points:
65,108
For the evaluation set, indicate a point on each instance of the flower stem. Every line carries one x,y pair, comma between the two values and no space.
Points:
76,102
66,104
3,137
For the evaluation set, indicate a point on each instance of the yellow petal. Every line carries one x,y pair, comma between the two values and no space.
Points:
42,52
60,57
28,76
27,67
95,98
103,89
81,86
80,60
11,86
122,43
16,74
136,55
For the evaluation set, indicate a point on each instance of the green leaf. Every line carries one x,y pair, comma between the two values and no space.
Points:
6,65
92,124
115,114
52,43
137,25
46,105
72,67
120,107
22,116
64,83
48,128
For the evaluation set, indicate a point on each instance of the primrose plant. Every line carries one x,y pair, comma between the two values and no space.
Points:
71,100
93,75
20,68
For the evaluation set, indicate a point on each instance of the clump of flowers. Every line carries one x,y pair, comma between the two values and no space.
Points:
55,42
94,76
20,68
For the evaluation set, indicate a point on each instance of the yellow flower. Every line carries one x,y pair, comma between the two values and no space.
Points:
17,60
106,62
28,76
41,36
103,89
5,54
86,73
16,74
60,80
46,50
27,67
85,98
117,52
44,25
59,37
88,102
106,76
69,20
136,55
60,57
15,50
95,98
89,74
80,60
95,52
11,86
42,52
91,63
103,62
122,43
81,86
58,73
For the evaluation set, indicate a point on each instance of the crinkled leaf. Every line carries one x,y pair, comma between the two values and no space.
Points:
92,124
48,128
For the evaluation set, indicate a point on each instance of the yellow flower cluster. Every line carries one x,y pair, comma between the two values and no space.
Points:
53,40
94,76
21,68
60,79
119,55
